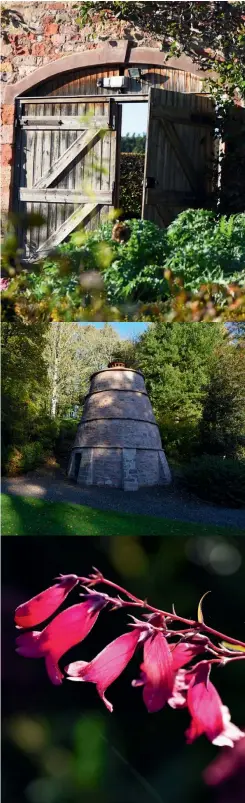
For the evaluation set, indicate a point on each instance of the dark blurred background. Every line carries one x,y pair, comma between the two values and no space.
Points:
60,745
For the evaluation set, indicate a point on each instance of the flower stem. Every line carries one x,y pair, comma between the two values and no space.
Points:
201,626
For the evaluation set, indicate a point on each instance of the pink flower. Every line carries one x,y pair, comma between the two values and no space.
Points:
67,629
205,706
107,665
4,283
157,675
41,607
180,688
229,763
183,652
230,733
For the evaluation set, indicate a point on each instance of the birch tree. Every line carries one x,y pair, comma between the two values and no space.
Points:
73,352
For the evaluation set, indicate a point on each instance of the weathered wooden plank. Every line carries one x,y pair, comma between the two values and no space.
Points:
177,198
182,155
81,214
66,123
79,148
61,195
90,98
185,116
179,150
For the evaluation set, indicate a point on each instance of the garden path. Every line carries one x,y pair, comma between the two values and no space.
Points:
51,483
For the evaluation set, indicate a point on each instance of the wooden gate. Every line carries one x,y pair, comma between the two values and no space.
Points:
65,166
180,155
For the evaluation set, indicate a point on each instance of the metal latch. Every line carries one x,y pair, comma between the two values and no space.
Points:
112,114
150,183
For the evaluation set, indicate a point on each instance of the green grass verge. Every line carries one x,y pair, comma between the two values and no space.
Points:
27,516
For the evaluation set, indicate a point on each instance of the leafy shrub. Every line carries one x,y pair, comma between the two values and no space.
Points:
198,247
65,437
180,440
217,480
204,248
131,178
46,431
23,458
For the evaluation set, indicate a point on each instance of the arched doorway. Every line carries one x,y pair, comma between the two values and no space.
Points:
68,129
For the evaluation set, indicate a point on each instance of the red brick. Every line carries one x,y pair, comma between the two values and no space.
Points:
51,29
5,199
21,50
5,178
7,114
58,39
7,134
7,155
38,49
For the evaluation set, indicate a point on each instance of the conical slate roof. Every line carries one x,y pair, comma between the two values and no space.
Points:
118,442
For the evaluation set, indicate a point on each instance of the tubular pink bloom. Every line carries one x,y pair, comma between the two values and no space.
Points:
107,665
205,706
230,733
157,673
183,652
41,607
228,763
67,629
180,688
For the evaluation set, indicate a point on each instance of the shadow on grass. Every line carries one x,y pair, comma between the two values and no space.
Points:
29,516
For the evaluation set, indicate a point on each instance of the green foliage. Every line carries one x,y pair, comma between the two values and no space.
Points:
131,178
217,480
213,34
24,380
133,143
204,247
24,458
198,247
72,352
27,432
222,428
176,361
45,375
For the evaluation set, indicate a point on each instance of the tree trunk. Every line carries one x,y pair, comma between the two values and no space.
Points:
54,396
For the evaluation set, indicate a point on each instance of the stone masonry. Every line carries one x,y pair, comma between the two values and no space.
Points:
118,442
35,34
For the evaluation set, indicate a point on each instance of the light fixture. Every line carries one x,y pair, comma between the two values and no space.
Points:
134,72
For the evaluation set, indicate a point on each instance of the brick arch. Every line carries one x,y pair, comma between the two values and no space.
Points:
113,53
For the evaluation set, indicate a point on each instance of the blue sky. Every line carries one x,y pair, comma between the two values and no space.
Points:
134,118
125,330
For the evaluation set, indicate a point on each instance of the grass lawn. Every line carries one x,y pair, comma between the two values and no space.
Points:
27,516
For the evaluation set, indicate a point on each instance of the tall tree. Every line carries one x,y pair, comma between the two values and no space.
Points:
222,427
176,361
72,353
24,379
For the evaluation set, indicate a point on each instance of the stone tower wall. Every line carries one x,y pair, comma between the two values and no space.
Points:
118,442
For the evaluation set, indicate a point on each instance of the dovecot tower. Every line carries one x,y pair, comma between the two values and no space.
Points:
118,442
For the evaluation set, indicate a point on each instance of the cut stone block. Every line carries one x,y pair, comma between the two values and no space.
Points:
118,442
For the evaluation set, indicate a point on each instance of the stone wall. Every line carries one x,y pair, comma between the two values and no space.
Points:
118,439
35,34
